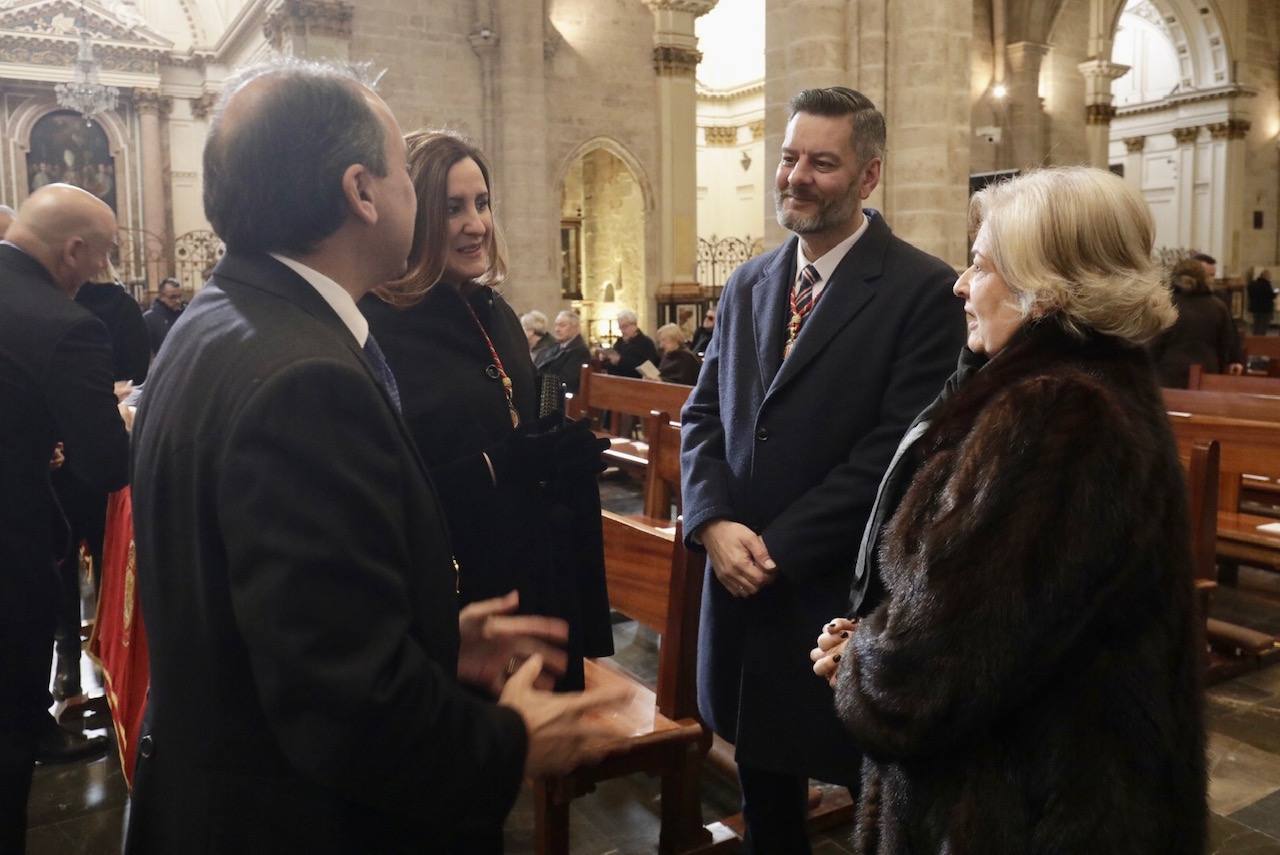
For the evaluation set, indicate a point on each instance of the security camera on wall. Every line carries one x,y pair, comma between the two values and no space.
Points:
990,134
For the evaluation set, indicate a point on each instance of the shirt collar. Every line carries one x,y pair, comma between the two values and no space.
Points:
827,263
334,294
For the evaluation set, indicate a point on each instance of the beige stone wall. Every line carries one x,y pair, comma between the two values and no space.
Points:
1062,86
1262,165
612,234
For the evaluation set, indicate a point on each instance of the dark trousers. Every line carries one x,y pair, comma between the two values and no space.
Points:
26,637
774,806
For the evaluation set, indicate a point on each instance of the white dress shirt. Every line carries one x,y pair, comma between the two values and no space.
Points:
334,294
830,260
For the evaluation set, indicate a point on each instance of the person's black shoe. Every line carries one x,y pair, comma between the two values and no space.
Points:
56,744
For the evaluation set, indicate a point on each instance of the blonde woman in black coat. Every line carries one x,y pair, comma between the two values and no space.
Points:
1024,672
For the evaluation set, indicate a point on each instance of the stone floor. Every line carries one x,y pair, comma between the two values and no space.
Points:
78,809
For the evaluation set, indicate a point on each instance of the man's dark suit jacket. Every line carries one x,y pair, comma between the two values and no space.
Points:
299,598
120,314
795,451
639,348
159,320
55,385
566,363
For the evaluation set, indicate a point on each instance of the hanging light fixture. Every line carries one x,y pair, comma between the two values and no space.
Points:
84,93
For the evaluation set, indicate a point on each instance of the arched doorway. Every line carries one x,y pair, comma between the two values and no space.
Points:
602,241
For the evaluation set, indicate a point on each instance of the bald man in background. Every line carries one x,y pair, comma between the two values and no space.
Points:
55,386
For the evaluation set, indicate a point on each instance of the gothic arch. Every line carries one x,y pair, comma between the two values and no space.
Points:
619,151
1195,28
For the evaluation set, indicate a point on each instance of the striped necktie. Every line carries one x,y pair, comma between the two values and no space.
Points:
801,305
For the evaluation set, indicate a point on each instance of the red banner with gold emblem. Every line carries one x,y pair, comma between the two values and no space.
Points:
119,643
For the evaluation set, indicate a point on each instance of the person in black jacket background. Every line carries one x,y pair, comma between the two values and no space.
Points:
632,348
1262,301
678,365
566,359
520,494
55,384
164,312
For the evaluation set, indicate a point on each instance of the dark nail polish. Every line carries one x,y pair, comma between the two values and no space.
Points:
835,658
844,635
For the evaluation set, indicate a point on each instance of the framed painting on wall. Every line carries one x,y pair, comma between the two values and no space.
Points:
67,148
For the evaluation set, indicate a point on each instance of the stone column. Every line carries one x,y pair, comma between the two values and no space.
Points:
1228,194
1186,189
675,59
1134,147
315,29
484,41
1026,137
1098,111
152,107
525,198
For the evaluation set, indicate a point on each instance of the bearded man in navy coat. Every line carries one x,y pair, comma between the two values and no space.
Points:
824,351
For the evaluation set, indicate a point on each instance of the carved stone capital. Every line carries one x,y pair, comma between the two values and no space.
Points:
149,102
1185,136
671,61
1099,114
1133,145
757,129
330,18
1232,129
695,7
201,107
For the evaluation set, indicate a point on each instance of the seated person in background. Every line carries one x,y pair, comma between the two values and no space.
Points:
1203,333
631,348
702,337
1025,676
541,343
570,353
678,365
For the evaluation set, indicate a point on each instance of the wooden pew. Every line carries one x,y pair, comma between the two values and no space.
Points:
653,579
1259,494
598,392
1267,346
662,476
1197,378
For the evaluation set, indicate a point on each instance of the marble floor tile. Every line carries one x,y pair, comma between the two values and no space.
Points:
1263,815
1239,774
1227,837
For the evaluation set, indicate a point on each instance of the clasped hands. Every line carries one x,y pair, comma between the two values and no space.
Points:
517,658
738,556
832,642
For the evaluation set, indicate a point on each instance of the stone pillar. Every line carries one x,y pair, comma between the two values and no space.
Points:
1228,194
484,41
1134,147
675,59
1186,187
315,29
1098,111
926,172
1026,137
152,107
525,199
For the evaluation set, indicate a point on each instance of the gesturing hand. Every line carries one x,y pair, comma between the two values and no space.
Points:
738,556
830,650
566,730
492,638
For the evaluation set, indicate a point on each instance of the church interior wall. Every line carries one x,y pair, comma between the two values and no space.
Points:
612,235
735,173
1062,86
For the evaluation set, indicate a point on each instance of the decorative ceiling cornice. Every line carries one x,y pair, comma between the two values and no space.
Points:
1227,93
58,19
747,90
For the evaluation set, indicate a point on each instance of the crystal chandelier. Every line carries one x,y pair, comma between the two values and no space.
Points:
84,93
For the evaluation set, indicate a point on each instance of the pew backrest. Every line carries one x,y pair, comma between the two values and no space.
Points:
598,392
1234,405
1197,378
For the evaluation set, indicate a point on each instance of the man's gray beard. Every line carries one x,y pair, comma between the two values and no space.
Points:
828,216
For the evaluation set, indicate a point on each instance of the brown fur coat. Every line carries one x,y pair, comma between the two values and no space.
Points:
1031,682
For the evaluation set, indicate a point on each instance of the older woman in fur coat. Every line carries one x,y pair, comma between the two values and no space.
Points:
1023,673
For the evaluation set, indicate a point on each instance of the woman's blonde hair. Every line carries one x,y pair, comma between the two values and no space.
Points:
673,330
431,154
1075,243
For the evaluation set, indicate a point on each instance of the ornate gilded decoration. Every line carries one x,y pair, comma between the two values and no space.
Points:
721,135
130,574
1183,136
1133,145
675,61
201,107
696,7
757,129
149,101
1232,129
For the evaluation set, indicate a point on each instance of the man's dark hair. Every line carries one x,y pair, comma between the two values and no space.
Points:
273,180
868,122
169,281
1203,258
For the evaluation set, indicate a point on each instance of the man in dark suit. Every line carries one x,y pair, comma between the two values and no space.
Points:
164,312
307,650
631,349
825,350
566,359
55,384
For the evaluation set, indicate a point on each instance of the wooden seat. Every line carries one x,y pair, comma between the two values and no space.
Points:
653,579
1199,379
662,477
599,393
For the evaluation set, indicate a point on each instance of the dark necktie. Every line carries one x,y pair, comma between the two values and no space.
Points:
382,370
801,305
